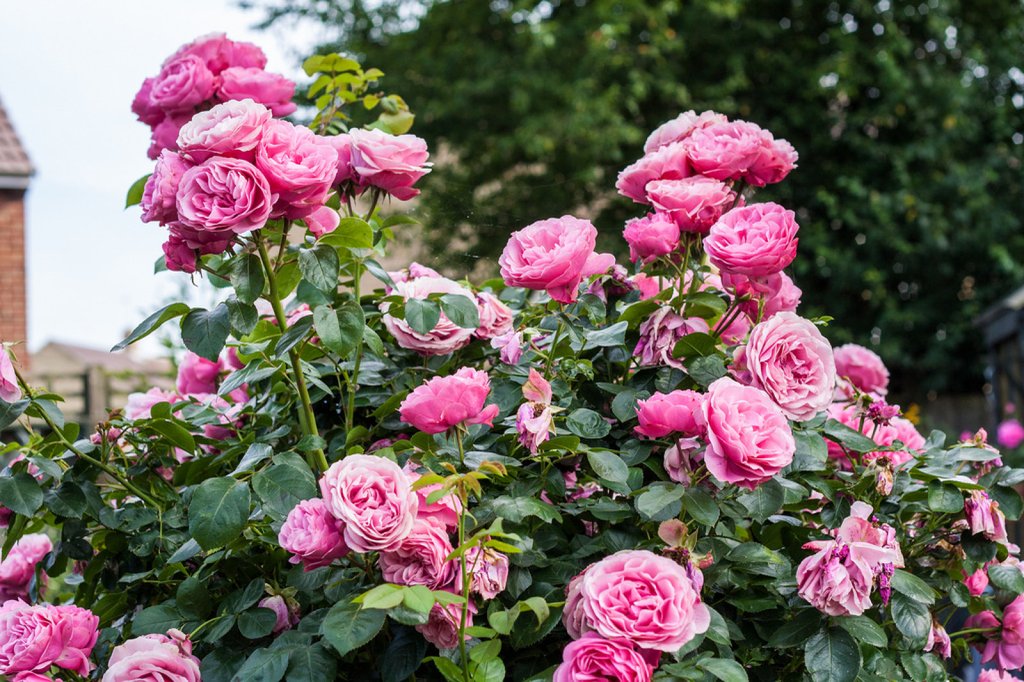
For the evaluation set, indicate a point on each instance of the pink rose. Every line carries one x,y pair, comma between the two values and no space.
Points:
272,90
594,658
442,403
34,638
9,390
488,569
140,405
679,459
863,368
79,630
414,271
772,294
229,129
835,581
165,134
446,336
373,498
534,425
154,658
659,334
322,220
445,509
287,614
790,360
19,566
740,150
197,374
1010,434
648,286
665,163
298,165
1005,646
938,640
976,582
645,599
509,346
160,194
143,107
695,203
421,558
225,197
392,163
312,535
756,240
985,516
574,616
749,439
776,162
495,316
553,255
898,429
219,53
342,144
870,541
442,626
182,84
651,237
996,676
680,128
679,412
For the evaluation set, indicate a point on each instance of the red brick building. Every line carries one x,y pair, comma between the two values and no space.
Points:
15,171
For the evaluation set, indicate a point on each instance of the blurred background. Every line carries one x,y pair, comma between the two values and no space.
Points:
908,117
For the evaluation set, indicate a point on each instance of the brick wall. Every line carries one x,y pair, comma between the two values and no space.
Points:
13,320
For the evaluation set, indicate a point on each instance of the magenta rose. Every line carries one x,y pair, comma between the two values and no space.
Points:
19,566
422,558
34,638
1006,645
159,197
442,403
1010,434
835,581
224,196
977,582
9,390
651,237
665,163
593,657
680,128
165,134
373,497
659,334
182,84
749,439
219,53
553,255
574,616
446,336
154,658
272,90
312,535
679,412
179,256
197,374
645,599
495,316
732,151
985,517
392,163
298,165
862,368
695,203
757,240
79,630
229,129
442,626
143,107
488,569
287,613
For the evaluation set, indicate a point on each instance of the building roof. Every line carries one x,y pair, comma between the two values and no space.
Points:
93,357
15,166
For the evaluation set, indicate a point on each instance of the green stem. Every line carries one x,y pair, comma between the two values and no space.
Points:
307,420
551,351
466,580
353,384
971,631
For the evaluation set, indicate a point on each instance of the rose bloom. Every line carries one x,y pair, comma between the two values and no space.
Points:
312,535
272,90
835,581
676,412
695,203
863,368
159,196
1005,646
374,499
230,129
298,165
749,439
679,458
777,160
495,316
143,107
287,615
442,403
648,286
651,237
442,626
1010,434
740,150
553,255
996,676
196,374
154,658
19,566
594,658
9,390
790,360
392,163
665,163
414,271
445,509
680,128
645,599
574,616
224,196
938,640
140,405
219,53
976,582
422,558
488,569
34,638
165,134
756,240
509,346
446,336
773,294
659,334
182,84
985,516
873,542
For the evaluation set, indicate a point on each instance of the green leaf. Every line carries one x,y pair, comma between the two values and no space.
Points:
242,316
352,233
515,509
247,277
218,511
660,502
912,586
204,332
21,494
136,191
608,465
587,424
9,412
418,598
797,631
701,506
706,370
256,623
1009,500
174,433
250,374
832,656
811,451
256,453
606,337
151,324
943,497
156,619
865,630
697,344
384,596
461,310
704,304
911,617
403,656
263,665
422,314
311,664
283,485
725,669
764,500
295,335
348,627
448,669
844,435
319,266
340,330
1007,578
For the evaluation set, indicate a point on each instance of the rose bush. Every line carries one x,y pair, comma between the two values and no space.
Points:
570,472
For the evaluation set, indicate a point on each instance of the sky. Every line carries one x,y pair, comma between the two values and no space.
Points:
68,72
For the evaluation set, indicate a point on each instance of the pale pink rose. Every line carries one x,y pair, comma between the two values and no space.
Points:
645,599
739,150
488,569
442,626
790,360
19,566
574,616
680,457
495,316
446,336
312,535
665,163
1010,434
143,106
678,412
749,439
159,197
272,90
445,509
554,255
197,374
219,53
863,368
9,390
392,163
298,165
659,334
421,558
772,294
322,220
651,237
442,403
287,614
996,676
414,271
680,128
34,638
154,658
1006,645
938,641
595,658
343,145
373,497
536,388
224,196
985,517
510,347
534,425
182,84
776,162
977,582
648,286
695,203
229,129
165,134
756,240
835,582
140,405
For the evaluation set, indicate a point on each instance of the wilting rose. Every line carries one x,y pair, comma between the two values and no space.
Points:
495,316
668,162
694,204
392,163
488,568
230,129
938,640
421,558
679,458
679,412
651,237
835,581
659,334
287,614
593,657
985,517
154,658
863,368
312,535
444,402
510,347
680,128
225,197
446,336
182,84
442,626
272,90
756,240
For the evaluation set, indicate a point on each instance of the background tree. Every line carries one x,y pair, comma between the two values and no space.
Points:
910,112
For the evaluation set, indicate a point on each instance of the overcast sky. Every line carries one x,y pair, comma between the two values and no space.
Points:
68,72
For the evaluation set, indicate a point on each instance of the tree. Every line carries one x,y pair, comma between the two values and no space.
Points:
910,114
